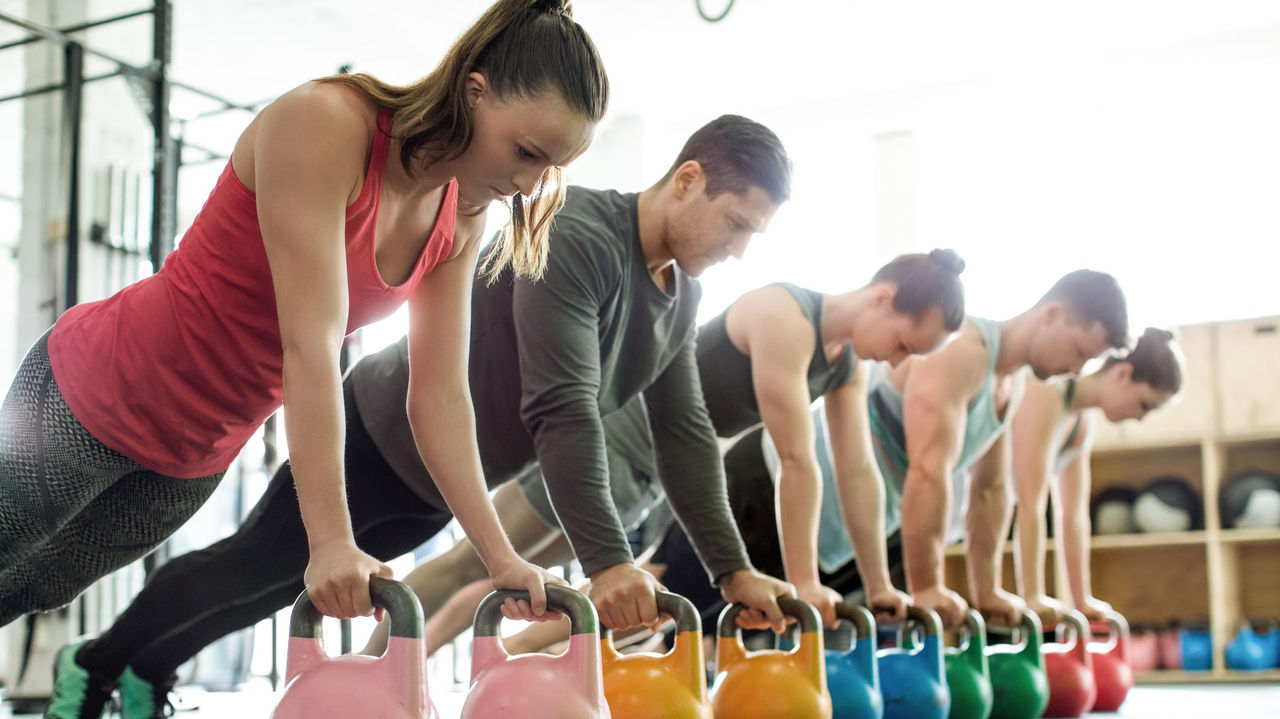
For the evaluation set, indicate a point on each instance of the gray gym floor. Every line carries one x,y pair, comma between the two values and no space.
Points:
1239,701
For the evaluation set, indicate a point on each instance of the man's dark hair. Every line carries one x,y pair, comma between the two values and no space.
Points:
1093,296
735,154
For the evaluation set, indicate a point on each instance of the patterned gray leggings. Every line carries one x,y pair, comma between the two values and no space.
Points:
71,509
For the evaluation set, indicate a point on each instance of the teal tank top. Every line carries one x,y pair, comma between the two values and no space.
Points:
888,438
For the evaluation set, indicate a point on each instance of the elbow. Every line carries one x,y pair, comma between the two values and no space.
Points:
922,479
563,406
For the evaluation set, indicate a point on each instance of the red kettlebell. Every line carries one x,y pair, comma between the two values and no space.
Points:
1111,670
771,684
536,686
356,686
653,686
1069,668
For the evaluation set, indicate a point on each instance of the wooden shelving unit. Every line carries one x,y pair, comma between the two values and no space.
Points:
1227,421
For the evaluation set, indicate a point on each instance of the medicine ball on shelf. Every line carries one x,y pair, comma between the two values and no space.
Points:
1250,500
1168,504
1111,511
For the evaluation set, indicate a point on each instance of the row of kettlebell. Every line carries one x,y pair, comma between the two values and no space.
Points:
1175,646
1031,678
590,680
1189,647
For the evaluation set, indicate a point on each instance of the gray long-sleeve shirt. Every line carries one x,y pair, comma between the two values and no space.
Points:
548,358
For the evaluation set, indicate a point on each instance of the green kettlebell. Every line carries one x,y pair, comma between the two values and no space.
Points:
1019,687
967,673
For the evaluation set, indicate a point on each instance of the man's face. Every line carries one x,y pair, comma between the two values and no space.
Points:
893,336
1062,343
704,231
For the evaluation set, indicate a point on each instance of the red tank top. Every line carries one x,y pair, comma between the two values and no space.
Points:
178,370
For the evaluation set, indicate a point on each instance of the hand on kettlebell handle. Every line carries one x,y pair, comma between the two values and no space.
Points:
949,606
1001,608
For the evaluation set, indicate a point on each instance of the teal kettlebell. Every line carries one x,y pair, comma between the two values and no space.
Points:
1019,687
912,680
968,675
852,677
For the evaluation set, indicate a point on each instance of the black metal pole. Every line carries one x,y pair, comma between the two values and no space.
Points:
73,71
77,28
164,172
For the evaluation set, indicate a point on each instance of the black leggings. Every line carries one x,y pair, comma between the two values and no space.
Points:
202,596
72,510
751,496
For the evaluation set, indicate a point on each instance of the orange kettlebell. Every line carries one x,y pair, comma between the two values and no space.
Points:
659,686
769,684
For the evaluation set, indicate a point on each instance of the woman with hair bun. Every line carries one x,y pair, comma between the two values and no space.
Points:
1053,438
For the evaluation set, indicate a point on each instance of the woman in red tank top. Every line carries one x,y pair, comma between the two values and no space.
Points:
343,198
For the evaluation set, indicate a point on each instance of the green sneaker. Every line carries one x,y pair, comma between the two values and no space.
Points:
140,699
78,693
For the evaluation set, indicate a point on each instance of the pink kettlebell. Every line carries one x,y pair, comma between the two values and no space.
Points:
393,685
536,686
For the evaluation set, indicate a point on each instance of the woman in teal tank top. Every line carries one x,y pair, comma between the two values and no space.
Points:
1053,437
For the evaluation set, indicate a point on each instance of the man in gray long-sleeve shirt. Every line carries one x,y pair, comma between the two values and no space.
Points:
613,318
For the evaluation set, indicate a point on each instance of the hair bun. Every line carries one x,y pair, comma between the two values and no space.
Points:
1156,333
560,7
948,259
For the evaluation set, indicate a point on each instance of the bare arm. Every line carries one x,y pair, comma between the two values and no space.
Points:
935,401
1074,533
306,162
861,489
986,522
780,342
1033,432
443,419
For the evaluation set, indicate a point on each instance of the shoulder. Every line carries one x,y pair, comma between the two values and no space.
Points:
592,228
334,110
772,312
966,356
960,367
1041,404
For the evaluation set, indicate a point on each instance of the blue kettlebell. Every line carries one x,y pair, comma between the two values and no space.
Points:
852,677
1250,650
1197,648
912,681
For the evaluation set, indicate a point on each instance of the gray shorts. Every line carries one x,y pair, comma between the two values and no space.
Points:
634,491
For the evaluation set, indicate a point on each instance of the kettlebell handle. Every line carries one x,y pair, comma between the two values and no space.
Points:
1117,627
395,597
803,612
582,616
1074,624
864,624
925,617
675,606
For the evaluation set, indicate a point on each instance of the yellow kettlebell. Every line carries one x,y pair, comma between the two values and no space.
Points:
770,684
659,686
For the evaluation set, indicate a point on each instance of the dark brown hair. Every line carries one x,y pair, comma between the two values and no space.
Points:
1156,360
523,48
735,154
1093,296
926,281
